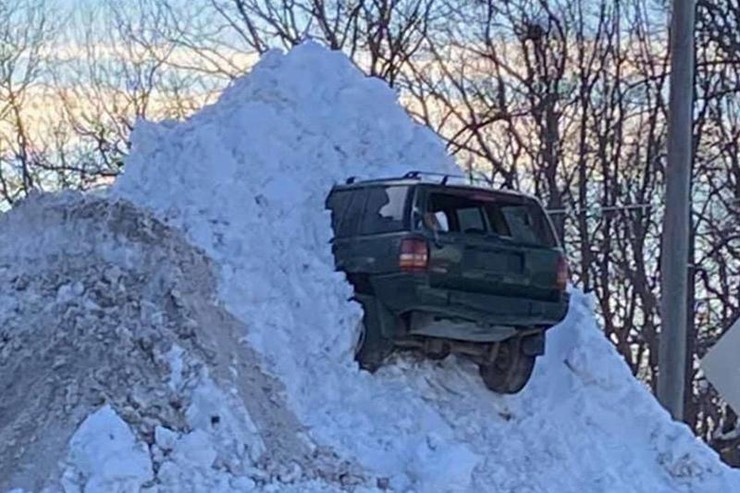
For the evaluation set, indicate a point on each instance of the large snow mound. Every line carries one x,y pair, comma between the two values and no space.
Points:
119,370
245,180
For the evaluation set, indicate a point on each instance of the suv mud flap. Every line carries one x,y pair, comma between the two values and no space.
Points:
377,316
534,345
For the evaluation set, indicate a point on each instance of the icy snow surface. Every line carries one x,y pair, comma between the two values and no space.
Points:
246,179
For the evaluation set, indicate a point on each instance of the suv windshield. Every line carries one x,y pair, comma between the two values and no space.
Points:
521,220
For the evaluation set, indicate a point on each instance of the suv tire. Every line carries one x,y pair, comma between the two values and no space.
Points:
371,347
510,371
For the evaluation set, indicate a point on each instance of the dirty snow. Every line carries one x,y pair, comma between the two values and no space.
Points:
246,179
119,370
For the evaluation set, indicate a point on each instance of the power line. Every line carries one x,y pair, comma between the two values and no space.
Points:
598,210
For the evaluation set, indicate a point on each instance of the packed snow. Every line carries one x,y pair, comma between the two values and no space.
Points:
255,331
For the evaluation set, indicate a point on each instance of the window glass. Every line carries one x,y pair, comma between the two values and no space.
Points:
437,221
384,210
497,220
528,224
346,209
442,221
521,220
520,224
455,213
470,220
337,203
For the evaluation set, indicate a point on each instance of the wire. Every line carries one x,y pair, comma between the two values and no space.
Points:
599,210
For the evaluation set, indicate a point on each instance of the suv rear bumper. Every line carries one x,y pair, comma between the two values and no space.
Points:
408,293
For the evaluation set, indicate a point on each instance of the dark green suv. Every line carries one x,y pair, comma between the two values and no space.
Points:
450,268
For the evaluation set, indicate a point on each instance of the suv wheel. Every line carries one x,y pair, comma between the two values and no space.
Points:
371,347
510,371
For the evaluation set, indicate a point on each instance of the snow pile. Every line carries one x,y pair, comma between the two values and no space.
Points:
246,179
108,320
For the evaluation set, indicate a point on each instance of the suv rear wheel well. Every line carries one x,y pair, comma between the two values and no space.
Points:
360,283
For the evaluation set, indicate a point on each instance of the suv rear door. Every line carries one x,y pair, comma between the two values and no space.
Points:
493,243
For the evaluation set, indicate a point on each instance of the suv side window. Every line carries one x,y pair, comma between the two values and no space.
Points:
385,209
346,210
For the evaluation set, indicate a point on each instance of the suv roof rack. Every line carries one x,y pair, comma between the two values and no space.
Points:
419,175
445,177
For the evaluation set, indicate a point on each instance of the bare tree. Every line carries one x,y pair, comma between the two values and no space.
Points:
120,75
26,32
717,199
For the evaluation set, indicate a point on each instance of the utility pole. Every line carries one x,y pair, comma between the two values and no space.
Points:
675,240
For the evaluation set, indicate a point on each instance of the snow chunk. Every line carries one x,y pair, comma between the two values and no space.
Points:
105,457
174,358
227,425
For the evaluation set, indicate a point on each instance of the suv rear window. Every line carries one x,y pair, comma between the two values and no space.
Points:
523,221
370,210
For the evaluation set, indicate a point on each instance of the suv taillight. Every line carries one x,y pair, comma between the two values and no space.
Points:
562,280
414,256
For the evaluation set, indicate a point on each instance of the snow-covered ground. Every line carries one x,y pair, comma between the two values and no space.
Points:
244,181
